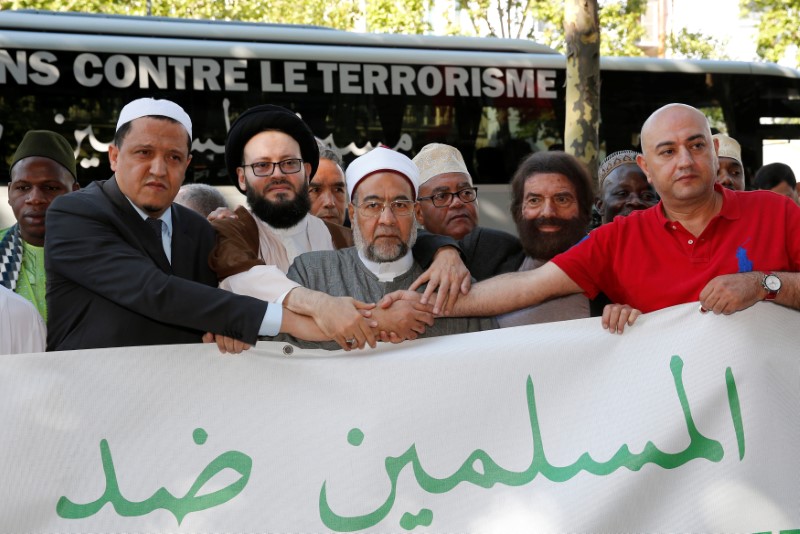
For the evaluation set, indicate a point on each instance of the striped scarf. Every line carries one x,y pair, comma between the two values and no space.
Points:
10,258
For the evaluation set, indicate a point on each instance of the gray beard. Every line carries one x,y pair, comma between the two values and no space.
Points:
382,254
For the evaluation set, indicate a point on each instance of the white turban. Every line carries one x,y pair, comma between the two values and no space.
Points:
381,159
435,159
146,107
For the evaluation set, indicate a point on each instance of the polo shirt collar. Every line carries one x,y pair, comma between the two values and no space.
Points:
730,206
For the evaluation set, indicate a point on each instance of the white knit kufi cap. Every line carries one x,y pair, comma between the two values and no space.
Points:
145,107
381,159
729,147
435,159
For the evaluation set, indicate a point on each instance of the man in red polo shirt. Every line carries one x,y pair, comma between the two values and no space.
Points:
727,249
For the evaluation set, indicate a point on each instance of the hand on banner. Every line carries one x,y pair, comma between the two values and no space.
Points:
616,316
226,344
449,275
730,293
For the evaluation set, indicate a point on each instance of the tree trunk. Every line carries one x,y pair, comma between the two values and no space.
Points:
582,34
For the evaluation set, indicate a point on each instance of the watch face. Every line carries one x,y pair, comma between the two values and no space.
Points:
772,282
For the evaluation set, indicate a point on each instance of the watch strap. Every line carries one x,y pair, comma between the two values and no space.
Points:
771,293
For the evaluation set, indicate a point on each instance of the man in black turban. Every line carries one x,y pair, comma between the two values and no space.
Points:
271,155
276,190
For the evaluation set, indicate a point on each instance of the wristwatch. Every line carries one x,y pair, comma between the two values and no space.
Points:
772,284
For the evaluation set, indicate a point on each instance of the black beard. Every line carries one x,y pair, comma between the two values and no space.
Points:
280,214
545,246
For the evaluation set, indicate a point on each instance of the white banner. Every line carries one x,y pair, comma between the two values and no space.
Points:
686,423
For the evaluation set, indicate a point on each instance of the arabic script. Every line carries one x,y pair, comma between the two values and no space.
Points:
490,473
180,507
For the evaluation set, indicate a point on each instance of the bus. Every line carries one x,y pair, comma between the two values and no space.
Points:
496,100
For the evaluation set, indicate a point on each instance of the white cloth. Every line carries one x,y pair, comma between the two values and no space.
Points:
22,329
145,107
388,271
278,248
307,235
381,159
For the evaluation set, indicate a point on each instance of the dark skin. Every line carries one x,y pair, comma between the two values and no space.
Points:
625,190
730,174
35,182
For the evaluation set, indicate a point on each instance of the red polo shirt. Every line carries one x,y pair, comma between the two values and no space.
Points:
651,263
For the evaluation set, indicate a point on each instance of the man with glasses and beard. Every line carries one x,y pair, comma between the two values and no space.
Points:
271,155
551,203
384,212
448,203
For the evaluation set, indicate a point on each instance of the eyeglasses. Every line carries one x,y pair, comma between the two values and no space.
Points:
444,198
267,168
373,208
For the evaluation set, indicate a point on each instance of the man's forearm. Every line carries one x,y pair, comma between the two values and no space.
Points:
514,291
302,327
304,301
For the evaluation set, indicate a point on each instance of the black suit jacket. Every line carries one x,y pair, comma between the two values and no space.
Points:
110,284
485,251
489,252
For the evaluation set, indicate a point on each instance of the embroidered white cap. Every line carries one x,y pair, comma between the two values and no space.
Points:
729,147
381,159
436,158
146,107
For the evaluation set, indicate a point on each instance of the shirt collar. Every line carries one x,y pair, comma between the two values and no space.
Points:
730,205
388,271
166,217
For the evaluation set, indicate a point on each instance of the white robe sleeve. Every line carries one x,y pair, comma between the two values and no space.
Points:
265,282
22,328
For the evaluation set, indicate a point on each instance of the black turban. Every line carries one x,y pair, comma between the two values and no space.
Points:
268,117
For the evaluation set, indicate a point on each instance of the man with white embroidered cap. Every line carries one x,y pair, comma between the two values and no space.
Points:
448,203
126,266
447,198
383,191
730,173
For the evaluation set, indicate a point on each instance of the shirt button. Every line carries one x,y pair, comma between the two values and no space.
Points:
691,241
674,227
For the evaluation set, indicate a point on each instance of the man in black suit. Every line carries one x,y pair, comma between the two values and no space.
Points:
448,202
126,266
